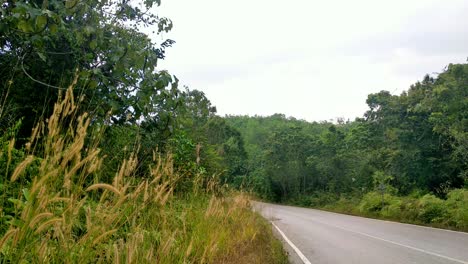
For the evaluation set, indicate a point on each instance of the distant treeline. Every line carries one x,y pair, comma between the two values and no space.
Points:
413,142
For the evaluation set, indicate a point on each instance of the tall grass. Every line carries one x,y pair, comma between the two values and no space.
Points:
61,211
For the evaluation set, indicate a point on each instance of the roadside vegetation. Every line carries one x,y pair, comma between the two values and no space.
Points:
55,208
405,159
415,208
103,158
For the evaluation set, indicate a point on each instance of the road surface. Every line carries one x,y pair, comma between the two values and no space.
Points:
325,237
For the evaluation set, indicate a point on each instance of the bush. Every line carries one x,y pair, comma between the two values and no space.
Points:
457,207
431,209
346,205
409,210
301,200
372,202
321,199
393,209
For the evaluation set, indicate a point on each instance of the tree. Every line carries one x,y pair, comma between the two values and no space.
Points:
44,45
229,145
285,158
449,117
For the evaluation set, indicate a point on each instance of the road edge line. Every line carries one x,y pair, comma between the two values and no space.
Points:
389,221
395,243
298,252
371,218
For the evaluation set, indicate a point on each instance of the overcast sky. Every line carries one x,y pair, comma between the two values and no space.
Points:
313,60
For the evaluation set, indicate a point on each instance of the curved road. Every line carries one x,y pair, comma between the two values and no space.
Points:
325,237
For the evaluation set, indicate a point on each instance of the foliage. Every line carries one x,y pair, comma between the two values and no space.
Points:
65,213
372,202
405,143
404,160
457,207
431,209
45,44
419,209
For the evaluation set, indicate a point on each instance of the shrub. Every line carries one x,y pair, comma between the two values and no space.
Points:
457,206
409,210
344,204
431,209
301,200
321,199
393,209
371,203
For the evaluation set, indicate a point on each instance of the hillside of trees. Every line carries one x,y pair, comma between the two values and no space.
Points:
409,145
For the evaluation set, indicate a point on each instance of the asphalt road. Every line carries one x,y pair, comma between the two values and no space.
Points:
324,237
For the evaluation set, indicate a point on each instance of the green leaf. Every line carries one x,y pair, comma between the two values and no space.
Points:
42,56
15,222
47,12
41,22
53,29
26,194
24,26
89,30
93,44
16,202
70,3
92,84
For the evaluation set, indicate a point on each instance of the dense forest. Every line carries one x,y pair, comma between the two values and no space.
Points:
415,141
409,145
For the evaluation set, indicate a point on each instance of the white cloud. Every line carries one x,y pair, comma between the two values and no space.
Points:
309,59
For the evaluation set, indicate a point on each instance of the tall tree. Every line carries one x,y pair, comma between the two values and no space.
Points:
45,45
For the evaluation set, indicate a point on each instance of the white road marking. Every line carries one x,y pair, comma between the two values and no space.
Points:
427,227
298,252
381,220
395,243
